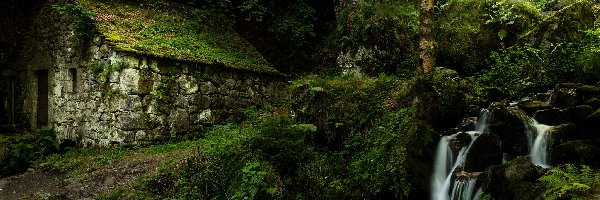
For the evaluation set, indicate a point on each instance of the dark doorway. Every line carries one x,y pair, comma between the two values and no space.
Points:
42,106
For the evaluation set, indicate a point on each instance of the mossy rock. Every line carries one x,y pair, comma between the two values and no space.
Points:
590,123
531,106
484,152
513,180
588,90
562,133
565,25
578,152
468,30
593,102
509,124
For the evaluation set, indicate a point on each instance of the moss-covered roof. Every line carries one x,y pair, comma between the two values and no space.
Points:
170,30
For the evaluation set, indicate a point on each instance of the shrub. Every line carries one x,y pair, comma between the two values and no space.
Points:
388,30
467,31
570,182
17,152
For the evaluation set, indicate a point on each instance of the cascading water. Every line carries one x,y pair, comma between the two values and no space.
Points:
538,144
445,166
464,189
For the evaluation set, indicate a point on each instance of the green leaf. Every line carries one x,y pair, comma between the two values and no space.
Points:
502,33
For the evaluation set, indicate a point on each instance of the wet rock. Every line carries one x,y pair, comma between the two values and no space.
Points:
591,123
467,124
515,180
543,97
459,141
564,98
508,123
593,102
463,175
562,133
587,90
578,152
484,152
576,114
556,116
548,116
530,106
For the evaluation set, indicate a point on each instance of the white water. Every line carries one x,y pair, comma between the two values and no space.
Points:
444,165
538,144
465,189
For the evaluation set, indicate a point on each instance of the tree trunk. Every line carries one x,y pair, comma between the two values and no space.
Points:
427,41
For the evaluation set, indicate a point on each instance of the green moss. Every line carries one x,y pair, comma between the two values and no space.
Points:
174,31
565,25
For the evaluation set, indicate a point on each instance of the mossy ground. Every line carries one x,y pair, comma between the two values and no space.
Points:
170,30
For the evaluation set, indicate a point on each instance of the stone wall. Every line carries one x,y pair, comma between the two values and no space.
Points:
98,96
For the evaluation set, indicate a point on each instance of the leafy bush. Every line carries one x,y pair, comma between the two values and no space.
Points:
388,29
523,69
467,31
570,182
239,162
17,152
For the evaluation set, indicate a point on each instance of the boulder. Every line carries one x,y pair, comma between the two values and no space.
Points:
556,116
564,98
548,116
578,152
467,124
593,102
484,152
587,90
459,141
509,124
591,123
575,114
562,133
531,106
515,180
544,97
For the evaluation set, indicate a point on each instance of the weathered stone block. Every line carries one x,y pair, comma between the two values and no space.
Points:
129,81
133,121
207,88
179,120
187,84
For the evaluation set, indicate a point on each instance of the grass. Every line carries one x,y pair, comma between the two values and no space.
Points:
170,30
82,162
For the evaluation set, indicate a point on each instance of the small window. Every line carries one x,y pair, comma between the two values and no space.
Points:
73,73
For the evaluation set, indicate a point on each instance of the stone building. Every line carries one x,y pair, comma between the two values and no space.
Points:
103,72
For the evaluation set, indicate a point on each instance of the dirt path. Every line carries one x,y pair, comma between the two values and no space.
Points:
33,183
41,184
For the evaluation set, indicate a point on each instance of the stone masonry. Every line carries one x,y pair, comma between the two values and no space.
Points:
99,96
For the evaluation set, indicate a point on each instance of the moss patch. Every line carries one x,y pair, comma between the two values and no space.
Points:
170,30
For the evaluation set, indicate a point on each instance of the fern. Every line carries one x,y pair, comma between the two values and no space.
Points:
569,182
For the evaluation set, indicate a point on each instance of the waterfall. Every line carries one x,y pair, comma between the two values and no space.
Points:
465,189
445,165
537,136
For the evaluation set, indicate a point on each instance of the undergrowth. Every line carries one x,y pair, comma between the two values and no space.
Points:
570,182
